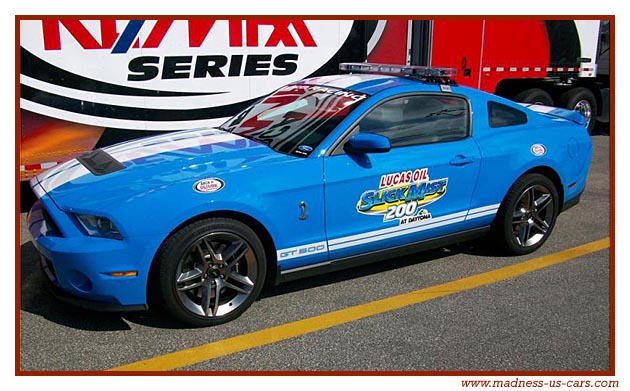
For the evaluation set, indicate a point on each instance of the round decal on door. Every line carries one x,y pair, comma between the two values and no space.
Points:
209,185
538,150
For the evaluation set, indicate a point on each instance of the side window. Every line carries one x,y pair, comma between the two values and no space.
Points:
500,115
421,119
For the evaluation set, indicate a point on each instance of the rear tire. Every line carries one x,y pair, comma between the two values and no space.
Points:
210,271
527,214
583,101
536,96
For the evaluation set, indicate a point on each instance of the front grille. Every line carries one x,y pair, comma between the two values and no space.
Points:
40,222
52,229
48,268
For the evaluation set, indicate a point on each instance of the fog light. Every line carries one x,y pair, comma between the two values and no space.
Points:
80,281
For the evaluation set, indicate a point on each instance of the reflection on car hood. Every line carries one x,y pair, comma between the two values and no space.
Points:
152,163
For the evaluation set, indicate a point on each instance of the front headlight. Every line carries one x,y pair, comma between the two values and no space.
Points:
99,226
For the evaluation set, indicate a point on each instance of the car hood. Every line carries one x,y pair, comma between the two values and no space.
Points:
150,164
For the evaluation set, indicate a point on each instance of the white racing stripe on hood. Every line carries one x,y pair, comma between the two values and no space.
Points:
56,169
62,174
169,142
141,148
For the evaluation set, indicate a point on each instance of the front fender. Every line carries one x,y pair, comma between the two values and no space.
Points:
271,195
224,208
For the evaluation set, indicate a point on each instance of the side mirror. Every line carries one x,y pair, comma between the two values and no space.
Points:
367,143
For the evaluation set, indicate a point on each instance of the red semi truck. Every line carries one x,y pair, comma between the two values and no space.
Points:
85,84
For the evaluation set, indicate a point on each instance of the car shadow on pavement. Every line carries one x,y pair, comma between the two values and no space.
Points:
37,298
480,247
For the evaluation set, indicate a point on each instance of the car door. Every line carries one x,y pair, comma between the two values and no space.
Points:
419,189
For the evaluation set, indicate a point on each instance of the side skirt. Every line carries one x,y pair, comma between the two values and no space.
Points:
379,255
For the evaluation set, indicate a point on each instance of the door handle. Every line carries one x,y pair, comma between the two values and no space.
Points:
461,160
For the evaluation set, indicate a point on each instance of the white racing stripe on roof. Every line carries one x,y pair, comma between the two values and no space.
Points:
346,81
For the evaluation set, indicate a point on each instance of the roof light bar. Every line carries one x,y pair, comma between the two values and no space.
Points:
414,70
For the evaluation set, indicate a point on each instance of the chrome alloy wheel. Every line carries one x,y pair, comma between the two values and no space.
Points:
584,107
533,215
216,274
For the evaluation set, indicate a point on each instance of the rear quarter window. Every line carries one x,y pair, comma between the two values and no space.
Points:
500,115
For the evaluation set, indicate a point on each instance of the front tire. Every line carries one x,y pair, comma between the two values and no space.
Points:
527,214
210,271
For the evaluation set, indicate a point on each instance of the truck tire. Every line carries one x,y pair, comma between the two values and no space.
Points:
582,100
534,95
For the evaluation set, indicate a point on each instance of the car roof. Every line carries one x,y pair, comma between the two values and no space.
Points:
363,82
373,83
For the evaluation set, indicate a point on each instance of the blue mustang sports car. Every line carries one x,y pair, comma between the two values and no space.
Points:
322,174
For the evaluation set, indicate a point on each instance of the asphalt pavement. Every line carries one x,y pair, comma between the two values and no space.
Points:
556,318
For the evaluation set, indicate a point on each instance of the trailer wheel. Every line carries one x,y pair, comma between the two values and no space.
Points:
583,101
536,96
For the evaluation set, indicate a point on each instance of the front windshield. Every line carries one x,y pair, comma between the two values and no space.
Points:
295,118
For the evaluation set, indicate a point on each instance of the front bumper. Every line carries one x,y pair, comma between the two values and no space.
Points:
91,305
80,266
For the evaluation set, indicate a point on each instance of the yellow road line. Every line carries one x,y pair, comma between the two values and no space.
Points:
286,331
